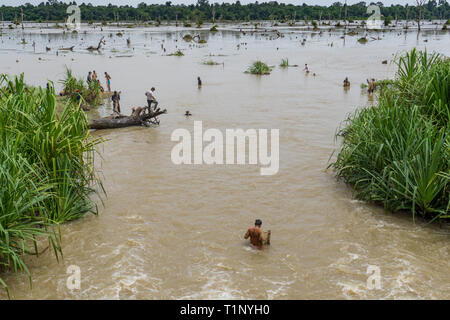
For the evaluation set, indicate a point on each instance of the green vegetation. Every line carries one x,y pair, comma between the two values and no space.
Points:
90,93
363,40
387,21
210,63
187,38
203,10
46,171
284,63
398,153
177,53
213,28
260,68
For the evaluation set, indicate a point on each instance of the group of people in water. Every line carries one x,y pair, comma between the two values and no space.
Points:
92,76
370,88
152,102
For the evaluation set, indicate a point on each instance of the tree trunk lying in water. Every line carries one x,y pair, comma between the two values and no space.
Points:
137,118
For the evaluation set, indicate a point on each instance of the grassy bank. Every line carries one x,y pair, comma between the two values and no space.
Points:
397,154
46,170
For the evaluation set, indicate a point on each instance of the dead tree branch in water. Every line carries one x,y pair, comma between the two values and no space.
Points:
99,46
139,117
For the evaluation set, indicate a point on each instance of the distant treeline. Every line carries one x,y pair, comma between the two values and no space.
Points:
204,11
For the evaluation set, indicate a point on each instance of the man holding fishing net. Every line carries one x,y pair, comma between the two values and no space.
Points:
258,237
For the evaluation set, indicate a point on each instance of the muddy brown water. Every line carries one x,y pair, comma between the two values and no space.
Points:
171,231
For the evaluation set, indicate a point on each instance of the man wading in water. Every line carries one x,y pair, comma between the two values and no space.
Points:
257,236
372,84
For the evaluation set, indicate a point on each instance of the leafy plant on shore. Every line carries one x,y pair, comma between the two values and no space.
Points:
259,68
398,153
46,170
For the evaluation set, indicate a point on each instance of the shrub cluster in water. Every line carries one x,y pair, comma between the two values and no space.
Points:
260,68
46,169
398,153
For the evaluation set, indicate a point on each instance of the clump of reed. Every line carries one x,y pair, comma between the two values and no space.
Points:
210,63
398,153
47,172
259,68
177,53
284,63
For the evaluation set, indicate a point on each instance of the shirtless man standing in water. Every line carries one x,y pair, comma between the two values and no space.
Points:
257,236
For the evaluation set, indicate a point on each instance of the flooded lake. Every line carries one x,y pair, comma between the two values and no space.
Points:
170,231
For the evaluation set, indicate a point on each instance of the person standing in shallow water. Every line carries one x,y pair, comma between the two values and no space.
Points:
108,81
346,82
199,82
371,87
306,69
257,236
116,102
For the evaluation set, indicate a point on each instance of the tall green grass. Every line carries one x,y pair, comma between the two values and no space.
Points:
284,63
46,170
398,153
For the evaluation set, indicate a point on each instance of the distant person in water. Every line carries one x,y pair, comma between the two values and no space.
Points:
108,81
371,87
257,236
116,104
306,68
94,75
187,114
89,77
199,82
151,99
346,82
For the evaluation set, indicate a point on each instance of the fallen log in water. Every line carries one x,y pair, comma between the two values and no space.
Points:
67,49
138,118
